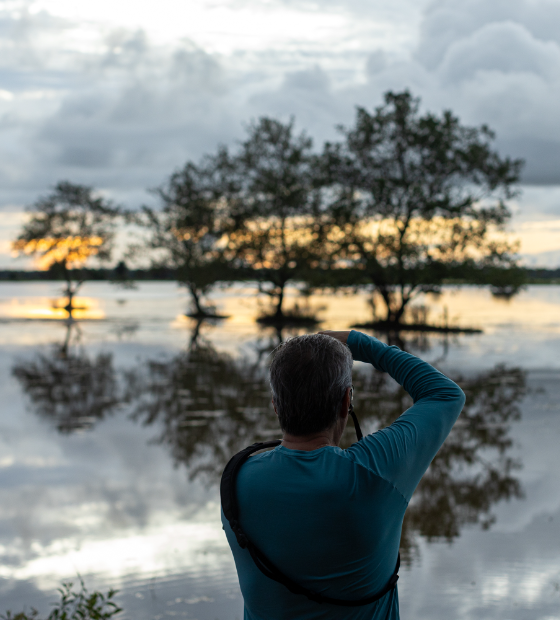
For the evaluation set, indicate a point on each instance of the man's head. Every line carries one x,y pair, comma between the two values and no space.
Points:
309,376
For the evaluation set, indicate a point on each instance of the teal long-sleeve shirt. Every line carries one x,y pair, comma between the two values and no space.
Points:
331,519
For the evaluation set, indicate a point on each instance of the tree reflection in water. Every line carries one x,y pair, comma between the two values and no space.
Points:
68,387
210,405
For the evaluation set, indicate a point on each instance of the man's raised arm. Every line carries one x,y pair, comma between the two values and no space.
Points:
402,452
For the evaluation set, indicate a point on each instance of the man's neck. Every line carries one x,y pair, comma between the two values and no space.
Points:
309,442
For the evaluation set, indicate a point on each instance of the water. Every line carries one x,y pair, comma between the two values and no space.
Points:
114,434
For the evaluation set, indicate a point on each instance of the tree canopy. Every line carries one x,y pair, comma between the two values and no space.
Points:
404,203
282,215
418,200
66,229
256,212
190,231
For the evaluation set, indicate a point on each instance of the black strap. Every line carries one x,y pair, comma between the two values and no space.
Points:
357,428
231,512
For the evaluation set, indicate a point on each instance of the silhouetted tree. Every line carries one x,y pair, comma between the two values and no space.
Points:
66,229
416,199
282,222
189,233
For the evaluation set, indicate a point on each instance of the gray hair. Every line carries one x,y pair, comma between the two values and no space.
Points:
308,377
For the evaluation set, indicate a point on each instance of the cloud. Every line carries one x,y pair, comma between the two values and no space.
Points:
121,111
496,63
499,63
121,118
499,47
448,21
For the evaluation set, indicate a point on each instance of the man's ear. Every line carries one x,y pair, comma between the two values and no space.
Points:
274,405
345,406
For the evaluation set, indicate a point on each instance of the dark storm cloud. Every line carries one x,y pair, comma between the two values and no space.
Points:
120,120
499,63
496,63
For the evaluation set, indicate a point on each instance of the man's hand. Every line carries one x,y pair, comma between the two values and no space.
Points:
342,336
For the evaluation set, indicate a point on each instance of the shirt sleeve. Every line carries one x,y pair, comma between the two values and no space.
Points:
402,452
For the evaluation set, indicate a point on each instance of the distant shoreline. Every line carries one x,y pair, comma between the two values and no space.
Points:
534,276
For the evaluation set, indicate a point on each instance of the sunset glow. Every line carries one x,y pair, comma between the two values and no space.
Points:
73,251
85,308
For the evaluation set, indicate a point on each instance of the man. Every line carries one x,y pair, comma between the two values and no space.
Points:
330,519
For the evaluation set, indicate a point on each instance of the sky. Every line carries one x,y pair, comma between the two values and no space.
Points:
118,95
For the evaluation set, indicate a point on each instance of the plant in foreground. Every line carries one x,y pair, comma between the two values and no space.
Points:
73,605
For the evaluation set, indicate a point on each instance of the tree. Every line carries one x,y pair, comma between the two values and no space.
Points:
417,201
282,222
189,232
66,229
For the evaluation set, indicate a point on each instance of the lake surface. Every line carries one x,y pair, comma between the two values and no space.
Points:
114,434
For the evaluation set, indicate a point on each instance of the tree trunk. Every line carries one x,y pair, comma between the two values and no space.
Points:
388,301
393,316
70,305
70,293
279,314
398,314
195,296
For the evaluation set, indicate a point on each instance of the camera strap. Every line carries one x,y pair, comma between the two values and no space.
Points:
231,512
